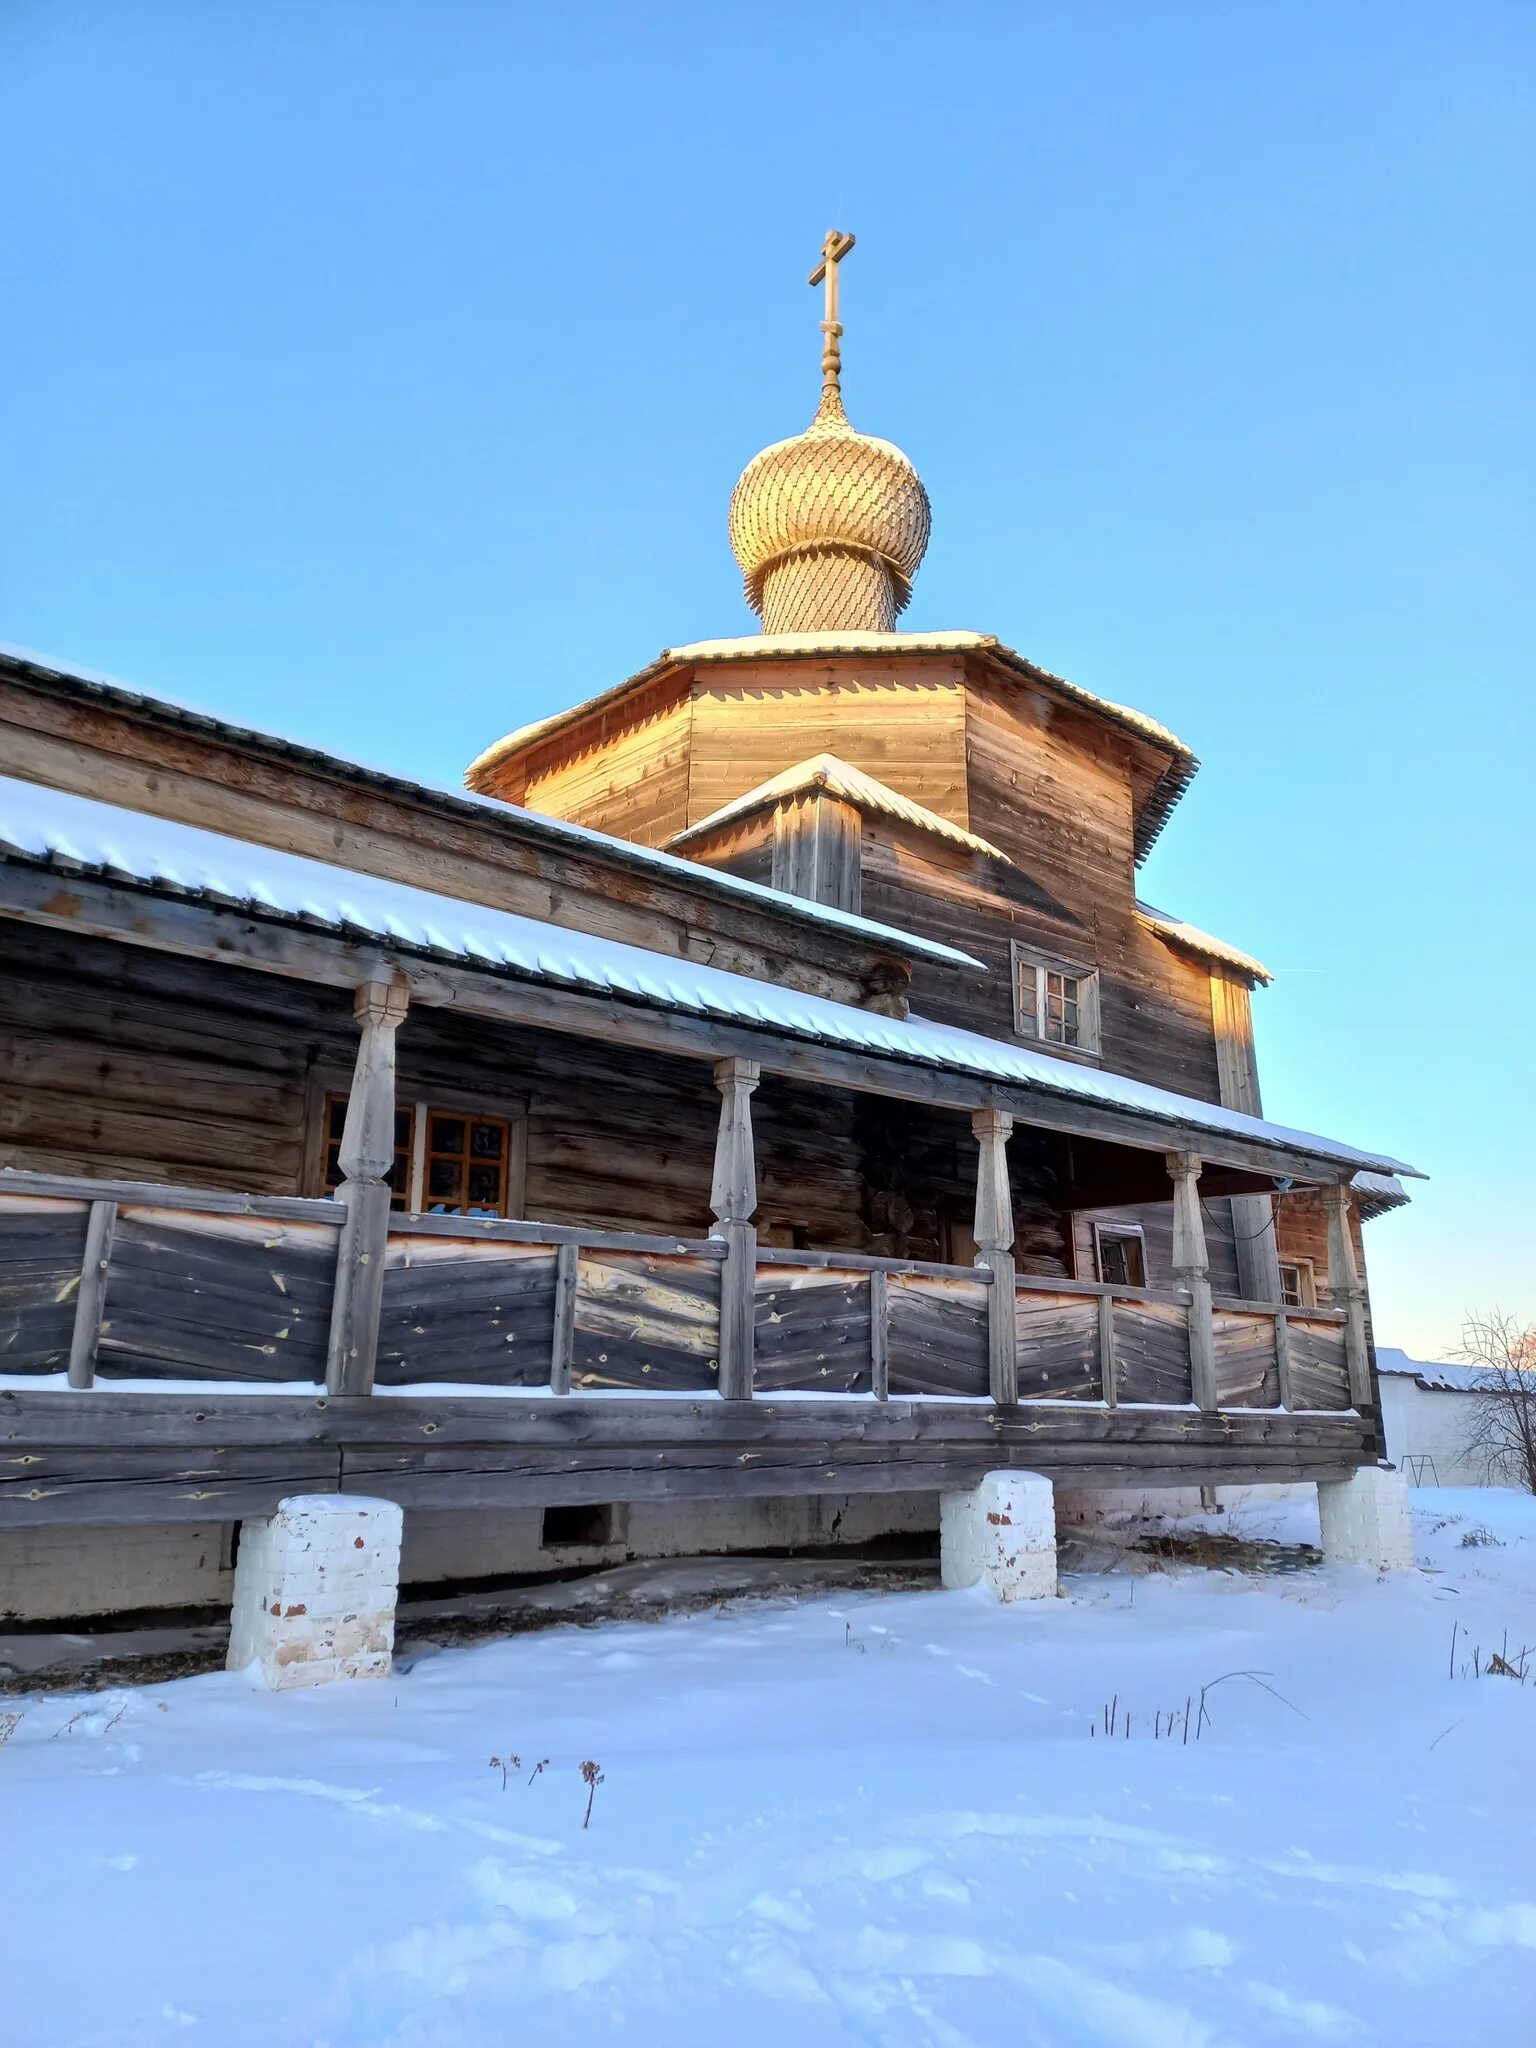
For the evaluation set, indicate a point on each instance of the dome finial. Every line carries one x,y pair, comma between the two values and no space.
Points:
833,250
829,527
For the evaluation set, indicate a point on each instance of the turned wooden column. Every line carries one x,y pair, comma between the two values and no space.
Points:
367,1154
1348,1292
994,1249
1192,1272
733,1203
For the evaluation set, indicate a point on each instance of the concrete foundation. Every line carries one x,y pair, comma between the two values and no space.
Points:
1365,1519
315,1591
1001,1535
63,1574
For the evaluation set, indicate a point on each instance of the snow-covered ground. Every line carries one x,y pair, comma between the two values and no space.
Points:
860,1819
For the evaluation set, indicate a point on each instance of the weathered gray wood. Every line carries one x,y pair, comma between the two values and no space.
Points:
42,1247
1109,1370
880,1335
202,932
457,1310
136,1419
993,1232
1192,1271
90,1302
1058,1348
1152,1350
1284,1386
811,1331
211,1201
497,1229
1348,1294
563,1347
937,1342
816,839
367,1154
646,1320
733,1204
858,1262
1243,1352
1319,1364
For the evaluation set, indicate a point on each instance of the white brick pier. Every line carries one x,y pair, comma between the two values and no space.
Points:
315,1591
1002,1535
1365,1519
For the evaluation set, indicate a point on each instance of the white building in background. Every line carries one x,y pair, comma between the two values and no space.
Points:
1427,1412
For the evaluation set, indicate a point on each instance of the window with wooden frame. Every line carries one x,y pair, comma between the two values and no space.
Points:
1055,1001
1120,1254
448,1162
1298,1283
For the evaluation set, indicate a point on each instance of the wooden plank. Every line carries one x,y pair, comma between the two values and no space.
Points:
1319,1364
1284,1385
858,1262
811,1331
42,1250
646,1320
563,1343
117,1485
1247,1374
90,1302
1152,1346
1058,1348
458,1311
210,1201
504,1230
938,1335
880,1335
218,1296
178,1424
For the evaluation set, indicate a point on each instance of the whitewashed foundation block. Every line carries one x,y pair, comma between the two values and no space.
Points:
315,1590
1366,1519
1002,1535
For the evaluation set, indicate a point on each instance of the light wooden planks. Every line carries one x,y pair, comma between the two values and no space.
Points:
1319,1370
1152,1352
1247,1372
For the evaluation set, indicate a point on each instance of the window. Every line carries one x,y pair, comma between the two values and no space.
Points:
1055,1002
1298,1283
448,1162
399,1175
1120,1254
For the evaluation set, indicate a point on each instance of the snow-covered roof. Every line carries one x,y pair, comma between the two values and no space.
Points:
754,646
1193,940
1436,1375
839,778
492,814
1376,1193
71,834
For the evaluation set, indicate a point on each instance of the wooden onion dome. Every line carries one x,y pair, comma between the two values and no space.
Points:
829,528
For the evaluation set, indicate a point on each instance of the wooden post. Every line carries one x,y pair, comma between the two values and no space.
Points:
733,1203
563,1344
1109,1379
91,1300
880,1335
1283,1360
367,1154
1192,1271
1348,1294
994,1249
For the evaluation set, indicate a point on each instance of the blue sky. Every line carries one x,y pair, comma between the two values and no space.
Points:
379,373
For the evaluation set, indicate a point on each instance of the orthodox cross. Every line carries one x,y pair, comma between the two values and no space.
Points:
833,250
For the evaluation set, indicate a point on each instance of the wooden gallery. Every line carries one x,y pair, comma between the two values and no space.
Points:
759,1108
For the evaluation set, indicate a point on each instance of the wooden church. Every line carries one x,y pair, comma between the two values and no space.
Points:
764,1085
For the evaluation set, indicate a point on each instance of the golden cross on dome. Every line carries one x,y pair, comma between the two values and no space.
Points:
833,250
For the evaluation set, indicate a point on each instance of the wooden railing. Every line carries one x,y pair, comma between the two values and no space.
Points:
111,1281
